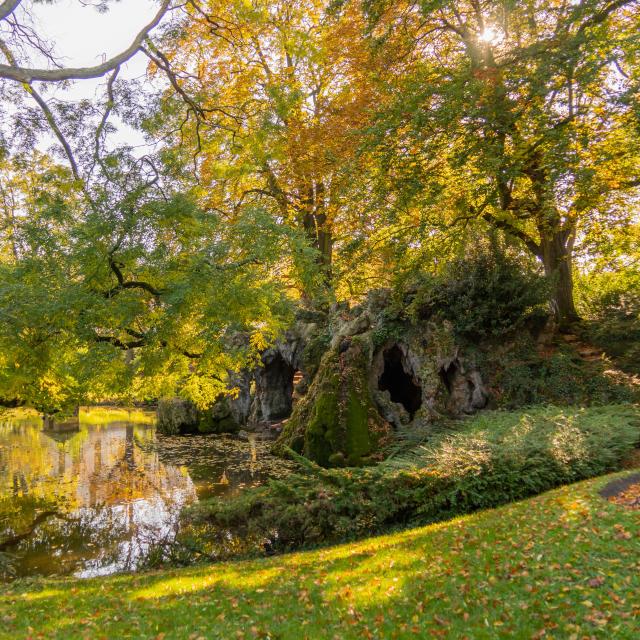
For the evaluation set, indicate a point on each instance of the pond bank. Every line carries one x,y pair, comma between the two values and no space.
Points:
563,563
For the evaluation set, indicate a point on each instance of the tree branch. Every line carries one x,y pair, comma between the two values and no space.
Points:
506,226
600,16
141,341
22,74
131,284
97,157
8,7
13,403
44,107
116,342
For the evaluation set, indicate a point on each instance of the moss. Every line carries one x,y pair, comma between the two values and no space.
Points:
358,441
314,352
336,423
322,432
218,418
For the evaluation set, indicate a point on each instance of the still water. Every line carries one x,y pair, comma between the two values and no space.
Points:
95,500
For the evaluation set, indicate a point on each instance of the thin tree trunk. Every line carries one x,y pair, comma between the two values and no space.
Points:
318,230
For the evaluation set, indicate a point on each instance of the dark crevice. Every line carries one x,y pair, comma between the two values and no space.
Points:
400,383
447,375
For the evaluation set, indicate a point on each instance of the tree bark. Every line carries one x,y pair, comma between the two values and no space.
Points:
556,255
318,229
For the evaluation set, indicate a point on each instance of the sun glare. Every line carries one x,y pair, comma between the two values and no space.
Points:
490,35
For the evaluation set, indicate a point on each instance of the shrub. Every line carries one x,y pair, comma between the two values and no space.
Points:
487,294
524,378
494,458
610,302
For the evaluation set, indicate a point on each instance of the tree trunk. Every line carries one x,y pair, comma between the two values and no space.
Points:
318,229
556,255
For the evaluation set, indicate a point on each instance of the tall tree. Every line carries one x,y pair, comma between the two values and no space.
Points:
523,115
278,88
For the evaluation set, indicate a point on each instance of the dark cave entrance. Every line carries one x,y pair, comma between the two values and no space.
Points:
400,384
276,384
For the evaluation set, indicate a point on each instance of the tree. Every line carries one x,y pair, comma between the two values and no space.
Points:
522,115
127,290
278,90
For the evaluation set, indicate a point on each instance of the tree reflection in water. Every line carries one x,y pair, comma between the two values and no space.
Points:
110,492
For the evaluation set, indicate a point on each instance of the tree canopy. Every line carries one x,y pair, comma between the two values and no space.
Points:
300,153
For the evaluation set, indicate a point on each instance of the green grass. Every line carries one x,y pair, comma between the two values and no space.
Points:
483,462
562,565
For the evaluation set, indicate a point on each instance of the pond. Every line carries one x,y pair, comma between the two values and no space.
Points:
95,500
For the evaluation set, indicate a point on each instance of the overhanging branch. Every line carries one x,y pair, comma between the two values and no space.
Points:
23,74
512,230
141,341
130,284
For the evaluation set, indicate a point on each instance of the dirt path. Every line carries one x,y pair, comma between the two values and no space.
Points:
594,355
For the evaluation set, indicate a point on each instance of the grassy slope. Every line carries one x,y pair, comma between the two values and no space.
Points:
562,565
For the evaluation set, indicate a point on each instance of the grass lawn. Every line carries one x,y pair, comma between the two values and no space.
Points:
565,564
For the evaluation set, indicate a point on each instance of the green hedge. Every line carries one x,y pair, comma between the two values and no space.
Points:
494,458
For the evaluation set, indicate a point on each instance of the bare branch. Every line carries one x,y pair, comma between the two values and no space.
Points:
21,74
8,7
48,114
97,156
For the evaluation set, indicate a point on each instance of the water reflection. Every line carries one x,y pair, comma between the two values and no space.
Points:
94,501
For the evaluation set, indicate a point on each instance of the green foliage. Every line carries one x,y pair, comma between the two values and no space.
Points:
494,458
129,292
522,377
487,294
476,134
390,327
610,303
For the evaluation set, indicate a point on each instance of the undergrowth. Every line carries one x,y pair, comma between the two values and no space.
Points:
494,458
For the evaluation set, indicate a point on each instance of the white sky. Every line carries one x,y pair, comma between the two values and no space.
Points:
84,37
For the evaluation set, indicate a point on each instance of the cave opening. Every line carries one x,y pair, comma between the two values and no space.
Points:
276,389
400,383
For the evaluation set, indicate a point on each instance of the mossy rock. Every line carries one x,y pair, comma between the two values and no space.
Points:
176,416
337,423
218,418
313,353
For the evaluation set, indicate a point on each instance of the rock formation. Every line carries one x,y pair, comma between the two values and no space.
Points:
339,383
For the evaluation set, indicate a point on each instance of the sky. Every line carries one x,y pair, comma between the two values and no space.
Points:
84,37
